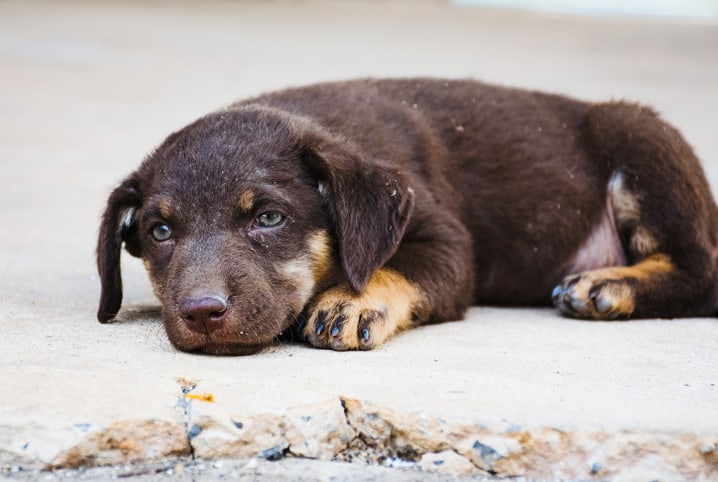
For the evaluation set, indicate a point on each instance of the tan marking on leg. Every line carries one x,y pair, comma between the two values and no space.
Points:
620,297
643,242
344,320
625,204
246,201
625,208
656,264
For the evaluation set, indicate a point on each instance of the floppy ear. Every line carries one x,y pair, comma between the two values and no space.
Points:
119,224
370,204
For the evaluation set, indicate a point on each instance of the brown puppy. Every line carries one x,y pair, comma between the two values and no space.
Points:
350,211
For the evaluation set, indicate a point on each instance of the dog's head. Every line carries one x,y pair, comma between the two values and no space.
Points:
241,217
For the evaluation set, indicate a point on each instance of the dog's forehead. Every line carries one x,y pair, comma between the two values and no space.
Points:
227,149
211,189
241,147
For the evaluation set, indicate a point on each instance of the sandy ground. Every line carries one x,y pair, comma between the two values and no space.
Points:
89,88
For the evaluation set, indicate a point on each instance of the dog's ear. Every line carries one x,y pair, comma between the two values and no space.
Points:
370,203
119,224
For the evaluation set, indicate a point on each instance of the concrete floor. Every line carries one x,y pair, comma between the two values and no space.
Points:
87,89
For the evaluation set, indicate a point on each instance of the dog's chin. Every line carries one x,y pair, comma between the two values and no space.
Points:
229,349
215,343
209,347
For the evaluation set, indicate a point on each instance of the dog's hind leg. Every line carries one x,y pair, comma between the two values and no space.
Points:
664,215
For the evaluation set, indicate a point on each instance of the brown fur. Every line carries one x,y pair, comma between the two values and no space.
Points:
349,211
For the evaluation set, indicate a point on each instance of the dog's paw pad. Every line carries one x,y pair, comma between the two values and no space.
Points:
591,296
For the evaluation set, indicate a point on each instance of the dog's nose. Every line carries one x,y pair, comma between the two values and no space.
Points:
206,314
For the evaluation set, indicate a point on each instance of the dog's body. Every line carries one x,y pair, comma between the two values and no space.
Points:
353,210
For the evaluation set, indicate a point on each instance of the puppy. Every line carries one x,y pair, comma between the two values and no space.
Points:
351,211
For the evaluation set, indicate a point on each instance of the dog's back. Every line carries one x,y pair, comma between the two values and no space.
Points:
519,168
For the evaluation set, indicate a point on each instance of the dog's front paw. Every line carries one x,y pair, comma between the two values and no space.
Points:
340,319
597,295
342,324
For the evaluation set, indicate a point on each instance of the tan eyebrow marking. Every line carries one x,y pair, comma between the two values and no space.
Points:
164,206
159,206
246,200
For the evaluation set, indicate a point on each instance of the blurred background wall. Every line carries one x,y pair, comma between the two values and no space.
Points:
666,8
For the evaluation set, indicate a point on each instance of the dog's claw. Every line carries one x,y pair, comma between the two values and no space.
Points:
338,325
321,322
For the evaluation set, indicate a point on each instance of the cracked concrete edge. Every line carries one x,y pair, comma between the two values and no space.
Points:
358,431
127,441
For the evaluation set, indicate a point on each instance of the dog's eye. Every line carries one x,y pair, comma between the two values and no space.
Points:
269,219
161,232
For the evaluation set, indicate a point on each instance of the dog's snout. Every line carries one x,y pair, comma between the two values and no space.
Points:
204,314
